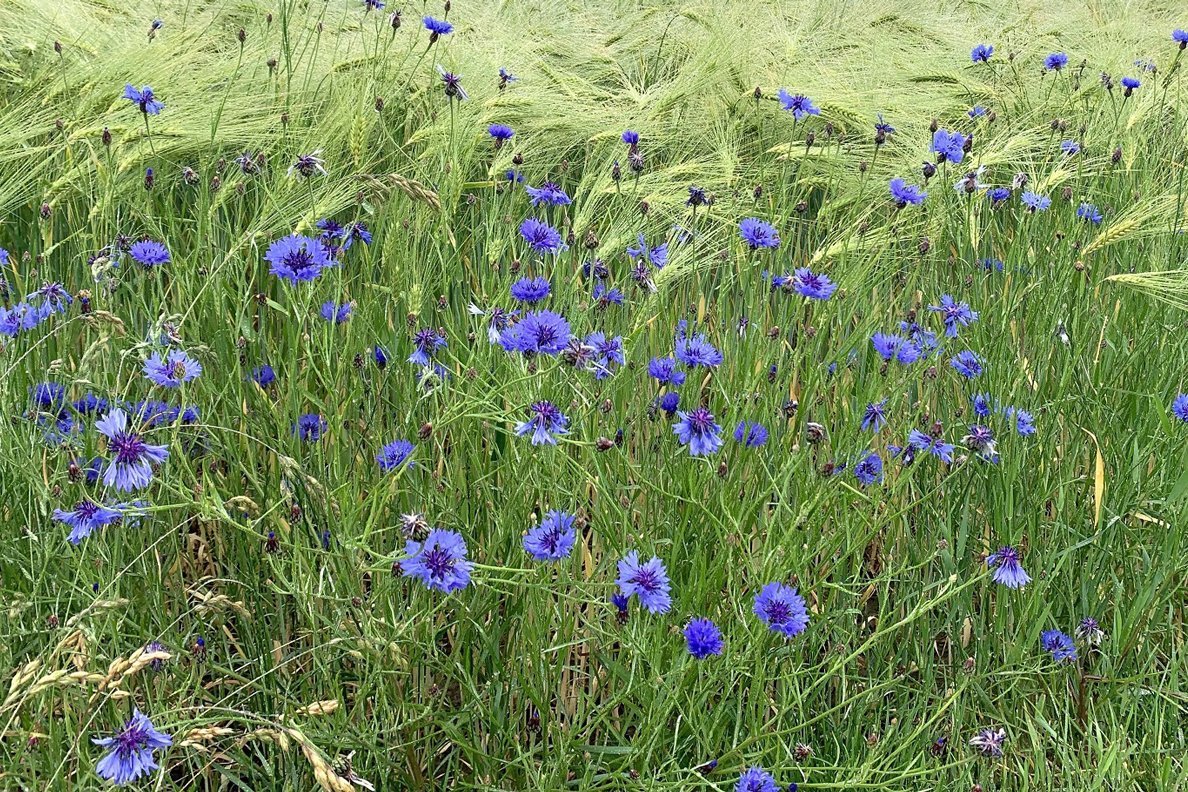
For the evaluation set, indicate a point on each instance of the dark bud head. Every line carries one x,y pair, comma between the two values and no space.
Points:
991,116
606,406
644,208
635,160
272,64
935,125
272,544
517,159
215,183
757,193
967,146
106,137
723,469
46,211
814,432
268,18
809,140
616,171
294,512
394,20
880,137
929,170
358,362
58,47
74,472
442,302
1116,157
514,266
789,409
149,178
757,93
284,119
570,239
810,332
241,35
425,431
774,332
52,622
925,245
619,438
319,27
591,241
379,104
801,752
801,207
1066,193
604,444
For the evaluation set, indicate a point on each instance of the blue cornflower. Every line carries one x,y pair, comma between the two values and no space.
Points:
90,403
869,470
981,441
703,638
813,286
263,375
658,255
530,290
758,234
1056,61
395,454
506,77
967,364
144,99
904,194
919,441
890,346
500,133
297,258
1070,147
948,146
697,429
608,353
981,404
541,236
553,539
648,581
437,27
954,314
130,459
1089,213
333,312
548,193
1179,407
452,82
981,53
426,342
1059,645
377,5
85,517
669,402
605,297
751,435
756,779
698,351
52,294
1130,84
439,562
1180,37
356,232
1024,421
997,195
1007,570
874,417
977,111
149,253
799,104
543,332
782,609
49,396
882,127
498,319
631,138
131,751
310,427
171,371
514,176
545,423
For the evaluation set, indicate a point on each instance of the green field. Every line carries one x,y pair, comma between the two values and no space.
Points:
264,589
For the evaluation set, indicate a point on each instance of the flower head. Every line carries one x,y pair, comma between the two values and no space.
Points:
869,470
967,364
452,84
310,427
549,194
904,194
437,27
665,371
954,314
439,562
751,435
697,429
130,753
545,423
989,742
426,342
543,332
1089,213
500,133
297,259
144,99
131,460
948,146
306,165
648,581
148,253
394,455
1090,631
86,517
782,609
896,347
756,779
918,441
1070,147
703,638
608,354
171,371
541,236
630,137
530,290
798,104
1059,645
1007,569
813,286
1179,407
981,53
657,256
335,313
553,539
698,351
1056,61
758,234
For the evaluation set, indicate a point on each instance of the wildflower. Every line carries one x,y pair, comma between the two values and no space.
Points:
545,423
703,638
1089,213
874,417
1179,407
869,470
608,354
500,133
895,347
657,256
131,751
553,539
263,375
782,609
297,258
919,441
89,404
648,581
697,197
882,130
453,85
1131,84
144,99
996,195
1007,569
548,193
981,441
1056,61
755,779
967,364
813,286
981,53
981,404
49,396
356,232
669,402
173,370
989,742
1023,421
506,78
394,455
698,351
631,138
51,294
543,332
751,435
954,314
948,146
1070,147
426,342
130,466
1090,631
310,427
903,194
439,562
85,517
437,27
306,165
697,429
1180,37
1059,645
542,237
149,253
530,290
758,234
977,111
605,297
799,104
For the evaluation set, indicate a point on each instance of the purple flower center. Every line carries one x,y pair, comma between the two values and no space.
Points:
86,509
131,740
646,579
546,413
778,611
701,420
439,562
128,447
